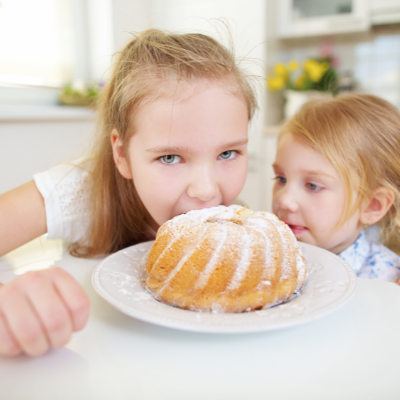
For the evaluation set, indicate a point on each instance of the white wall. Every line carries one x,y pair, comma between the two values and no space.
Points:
32,146
130,16
246,23
28,147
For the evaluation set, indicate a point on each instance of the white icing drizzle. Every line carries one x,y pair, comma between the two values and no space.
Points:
243,264
209,268
160,257
183,259
301,268
301,265
260,226
286,270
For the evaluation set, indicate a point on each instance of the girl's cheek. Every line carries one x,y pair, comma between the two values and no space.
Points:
275,196
235,181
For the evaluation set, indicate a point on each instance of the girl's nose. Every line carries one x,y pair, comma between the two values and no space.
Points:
286,200
203,185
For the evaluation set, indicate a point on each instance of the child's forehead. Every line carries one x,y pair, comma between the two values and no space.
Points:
297,153
296,141
289,136
175,92
203,115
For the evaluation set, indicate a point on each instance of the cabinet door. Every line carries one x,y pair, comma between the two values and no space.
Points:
384,11
297,18
384,4
45,144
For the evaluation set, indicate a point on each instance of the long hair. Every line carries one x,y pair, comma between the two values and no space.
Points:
359,134
118,217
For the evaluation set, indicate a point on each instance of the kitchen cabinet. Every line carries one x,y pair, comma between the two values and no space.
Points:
384,11
35,138
299,18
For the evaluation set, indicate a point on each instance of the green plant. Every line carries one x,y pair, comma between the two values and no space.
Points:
80,94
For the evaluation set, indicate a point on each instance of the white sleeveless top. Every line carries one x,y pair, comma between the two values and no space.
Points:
64,191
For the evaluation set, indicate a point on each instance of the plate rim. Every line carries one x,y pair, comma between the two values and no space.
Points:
203,327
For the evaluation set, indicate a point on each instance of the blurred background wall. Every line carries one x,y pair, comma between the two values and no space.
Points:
37,134
53,47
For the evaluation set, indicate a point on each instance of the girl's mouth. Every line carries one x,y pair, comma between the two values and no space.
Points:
297,229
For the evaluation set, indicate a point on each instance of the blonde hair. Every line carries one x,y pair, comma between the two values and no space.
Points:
359,134
146,63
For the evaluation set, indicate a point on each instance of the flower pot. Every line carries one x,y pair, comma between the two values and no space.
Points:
295,99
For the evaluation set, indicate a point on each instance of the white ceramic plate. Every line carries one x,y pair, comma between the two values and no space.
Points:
119,280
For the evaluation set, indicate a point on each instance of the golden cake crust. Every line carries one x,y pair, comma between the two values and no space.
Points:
225,259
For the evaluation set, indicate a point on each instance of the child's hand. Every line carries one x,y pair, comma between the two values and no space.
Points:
40,309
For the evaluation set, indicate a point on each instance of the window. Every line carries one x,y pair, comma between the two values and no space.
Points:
36,42
47,43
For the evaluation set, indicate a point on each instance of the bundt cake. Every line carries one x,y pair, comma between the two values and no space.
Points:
225,259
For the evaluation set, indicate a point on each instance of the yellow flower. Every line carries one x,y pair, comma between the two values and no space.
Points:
315,70
276,82
299,83
293,65
281,71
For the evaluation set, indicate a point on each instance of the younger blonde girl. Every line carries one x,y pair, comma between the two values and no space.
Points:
337,172
172,138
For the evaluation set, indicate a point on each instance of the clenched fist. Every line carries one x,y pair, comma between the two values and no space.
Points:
40,309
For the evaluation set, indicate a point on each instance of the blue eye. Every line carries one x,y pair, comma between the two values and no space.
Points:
280,179
228,155
170,159
313,187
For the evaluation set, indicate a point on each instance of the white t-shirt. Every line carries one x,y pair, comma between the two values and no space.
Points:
64,191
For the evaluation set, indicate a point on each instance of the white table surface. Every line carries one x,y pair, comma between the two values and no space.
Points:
352,353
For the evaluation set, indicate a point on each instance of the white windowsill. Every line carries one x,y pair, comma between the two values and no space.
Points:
22,113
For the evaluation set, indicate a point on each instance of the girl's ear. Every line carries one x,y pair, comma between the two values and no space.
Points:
119,155
378,206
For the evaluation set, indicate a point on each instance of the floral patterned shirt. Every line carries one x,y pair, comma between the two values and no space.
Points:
372,260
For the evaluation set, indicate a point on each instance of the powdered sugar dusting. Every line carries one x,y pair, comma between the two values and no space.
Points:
183,260
259,229
261,226
169,246
311,304
209,268
243,264
128,285
301,268
201,216
283,229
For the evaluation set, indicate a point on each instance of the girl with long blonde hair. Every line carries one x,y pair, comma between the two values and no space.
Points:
337,172
172,137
